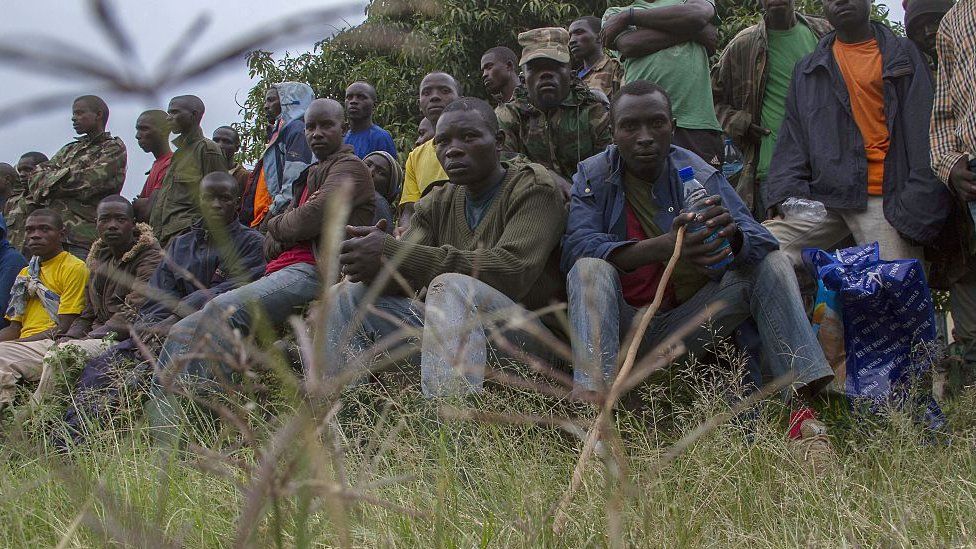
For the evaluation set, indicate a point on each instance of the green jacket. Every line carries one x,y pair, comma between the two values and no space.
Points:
74,181
738,90
175,206
562,138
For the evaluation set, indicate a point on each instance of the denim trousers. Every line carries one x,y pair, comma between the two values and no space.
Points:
211,332
463,321
768,293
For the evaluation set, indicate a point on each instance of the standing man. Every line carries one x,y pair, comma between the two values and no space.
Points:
175,205
8,185
499,72
365,136
749,86
485,245
855,137
437,91
953,151
269,191
17,212
668,42
230,142
625,213
81,174
598,70
152,135
46,298
559,122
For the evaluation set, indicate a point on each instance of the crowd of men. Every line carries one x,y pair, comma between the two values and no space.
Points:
546,216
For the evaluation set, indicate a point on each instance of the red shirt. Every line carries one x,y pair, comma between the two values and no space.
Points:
640,285
156,174
299,253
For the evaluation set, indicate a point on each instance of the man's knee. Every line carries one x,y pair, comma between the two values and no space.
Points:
587,269
449,281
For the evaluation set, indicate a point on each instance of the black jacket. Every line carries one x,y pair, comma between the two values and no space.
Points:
820,152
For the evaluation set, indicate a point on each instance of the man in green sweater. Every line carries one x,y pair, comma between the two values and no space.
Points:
485,244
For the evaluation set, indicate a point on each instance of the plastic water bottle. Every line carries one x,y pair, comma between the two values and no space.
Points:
733,160
695,195
803,208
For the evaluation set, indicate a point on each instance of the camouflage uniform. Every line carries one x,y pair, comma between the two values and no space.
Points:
560,139
605,76
72,183
175,206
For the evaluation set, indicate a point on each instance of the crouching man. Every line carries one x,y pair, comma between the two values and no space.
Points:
625,213
485,245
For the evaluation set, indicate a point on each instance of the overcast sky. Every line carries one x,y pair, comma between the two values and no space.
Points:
154,26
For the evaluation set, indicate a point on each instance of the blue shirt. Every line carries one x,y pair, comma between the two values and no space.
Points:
370,140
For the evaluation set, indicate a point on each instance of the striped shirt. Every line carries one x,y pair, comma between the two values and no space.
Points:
953,133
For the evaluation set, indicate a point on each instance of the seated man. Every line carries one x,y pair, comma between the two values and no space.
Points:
192,260
46,298
856,138
123,258
364,136
291,279
558,122
485,245
616,248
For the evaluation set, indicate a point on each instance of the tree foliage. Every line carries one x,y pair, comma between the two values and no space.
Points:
401,40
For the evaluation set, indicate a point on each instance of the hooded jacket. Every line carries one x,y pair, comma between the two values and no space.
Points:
820,153
113,293
286,155
11,263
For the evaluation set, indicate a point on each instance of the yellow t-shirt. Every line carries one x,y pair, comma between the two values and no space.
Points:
423,168
65,275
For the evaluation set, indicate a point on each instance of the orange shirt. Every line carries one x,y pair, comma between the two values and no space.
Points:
860,64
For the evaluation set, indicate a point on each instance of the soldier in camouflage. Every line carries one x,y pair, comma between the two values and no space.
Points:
80,175
16,211
597,70
556,121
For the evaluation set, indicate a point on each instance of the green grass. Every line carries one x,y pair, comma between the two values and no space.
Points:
437,482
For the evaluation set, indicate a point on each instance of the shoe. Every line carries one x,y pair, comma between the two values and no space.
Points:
813,446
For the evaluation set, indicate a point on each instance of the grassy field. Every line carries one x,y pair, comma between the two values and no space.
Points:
385,468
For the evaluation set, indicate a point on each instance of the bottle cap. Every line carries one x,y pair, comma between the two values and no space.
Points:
686,174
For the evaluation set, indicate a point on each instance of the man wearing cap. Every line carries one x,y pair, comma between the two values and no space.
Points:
668,42
556,120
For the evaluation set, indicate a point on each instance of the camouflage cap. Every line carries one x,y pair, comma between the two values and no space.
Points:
546,43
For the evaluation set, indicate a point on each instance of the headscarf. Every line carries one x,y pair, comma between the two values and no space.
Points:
396,175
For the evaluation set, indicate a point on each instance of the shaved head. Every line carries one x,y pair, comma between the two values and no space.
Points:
190,102
96,104
324,127
7,171
325,107
364,87
8,178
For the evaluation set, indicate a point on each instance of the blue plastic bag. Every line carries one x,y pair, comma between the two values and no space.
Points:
889,327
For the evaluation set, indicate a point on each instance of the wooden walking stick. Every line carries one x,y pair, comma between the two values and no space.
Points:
596,431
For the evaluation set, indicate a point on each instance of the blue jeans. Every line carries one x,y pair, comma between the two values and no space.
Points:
768,293
459,318
210,333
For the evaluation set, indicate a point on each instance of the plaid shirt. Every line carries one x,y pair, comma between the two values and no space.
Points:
953,132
